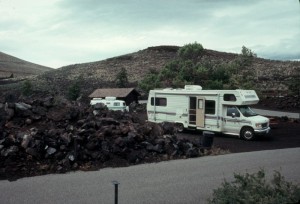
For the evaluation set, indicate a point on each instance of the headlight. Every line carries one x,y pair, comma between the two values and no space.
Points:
258,125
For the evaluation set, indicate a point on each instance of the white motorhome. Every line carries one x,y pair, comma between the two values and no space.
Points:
111,102
225,111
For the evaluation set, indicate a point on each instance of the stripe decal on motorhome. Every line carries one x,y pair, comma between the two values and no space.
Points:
167,113
236,120
210,117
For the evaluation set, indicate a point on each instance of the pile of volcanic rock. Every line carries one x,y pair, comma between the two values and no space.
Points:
47,136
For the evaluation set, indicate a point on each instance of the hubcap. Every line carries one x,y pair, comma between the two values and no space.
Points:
248,134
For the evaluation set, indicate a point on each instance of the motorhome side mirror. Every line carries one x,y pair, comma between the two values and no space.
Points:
233,115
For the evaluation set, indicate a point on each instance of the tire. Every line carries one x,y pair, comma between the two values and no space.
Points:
247,133
179,127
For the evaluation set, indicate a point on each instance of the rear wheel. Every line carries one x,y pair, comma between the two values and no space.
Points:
179,127
247,133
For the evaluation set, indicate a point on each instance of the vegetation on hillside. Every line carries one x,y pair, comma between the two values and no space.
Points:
165,66
75,89
294,83
189,68
27,88
122,78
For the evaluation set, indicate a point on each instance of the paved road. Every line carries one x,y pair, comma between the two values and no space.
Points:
181,181
277,113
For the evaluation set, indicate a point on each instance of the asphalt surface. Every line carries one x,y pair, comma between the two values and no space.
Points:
284,134
272,113
181,181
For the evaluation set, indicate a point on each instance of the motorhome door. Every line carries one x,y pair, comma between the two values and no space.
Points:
232,120
192,110
200,114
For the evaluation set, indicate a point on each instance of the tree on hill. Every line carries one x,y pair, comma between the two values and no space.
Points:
150,81
246,57
75,88
191,51
294,83
122,78
241,74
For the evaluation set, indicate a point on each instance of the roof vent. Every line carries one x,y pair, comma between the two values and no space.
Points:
110,98
192,87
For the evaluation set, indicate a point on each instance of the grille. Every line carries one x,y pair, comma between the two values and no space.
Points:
264,125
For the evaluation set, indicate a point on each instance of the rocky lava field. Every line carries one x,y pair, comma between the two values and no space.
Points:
42,136
46,136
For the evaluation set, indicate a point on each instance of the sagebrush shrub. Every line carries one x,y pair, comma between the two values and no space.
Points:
254,189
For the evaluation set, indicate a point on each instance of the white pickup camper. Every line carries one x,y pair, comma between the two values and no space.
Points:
111,103
225,111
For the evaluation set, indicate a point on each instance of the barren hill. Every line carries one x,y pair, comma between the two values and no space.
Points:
136,64
269,73
19,68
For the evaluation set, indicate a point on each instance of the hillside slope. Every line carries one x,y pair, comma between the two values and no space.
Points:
18,67
270,74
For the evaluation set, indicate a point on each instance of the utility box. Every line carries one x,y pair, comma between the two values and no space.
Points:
207,139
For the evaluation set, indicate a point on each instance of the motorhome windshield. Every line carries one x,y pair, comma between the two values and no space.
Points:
247,111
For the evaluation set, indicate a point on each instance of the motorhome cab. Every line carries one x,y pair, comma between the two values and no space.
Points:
111,102
225,111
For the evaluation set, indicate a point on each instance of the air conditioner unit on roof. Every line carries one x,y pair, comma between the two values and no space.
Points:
192,87
110,98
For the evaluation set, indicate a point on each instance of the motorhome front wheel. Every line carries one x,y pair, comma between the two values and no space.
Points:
247,133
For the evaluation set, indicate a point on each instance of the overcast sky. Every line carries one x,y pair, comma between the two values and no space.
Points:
56,33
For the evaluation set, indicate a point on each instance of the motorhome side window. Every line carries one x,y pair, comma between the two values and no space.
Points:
210,107
116,103
158,101
229,97
231,110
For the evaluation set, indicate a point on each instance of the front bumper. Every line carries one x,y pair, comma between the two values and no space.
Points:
262,131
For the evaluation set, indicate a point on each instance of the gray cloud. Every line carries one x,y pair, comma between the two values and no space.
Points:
64,32
285,49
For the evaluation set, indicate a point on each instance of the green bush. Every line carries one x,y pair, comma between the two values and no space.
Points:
75,88
27,88
253,189
191,68
191,51
294,83
122,78
150,81
246,57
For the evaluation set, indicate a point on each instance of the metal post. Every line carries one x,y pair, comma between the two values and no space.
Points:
75,147
116,183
